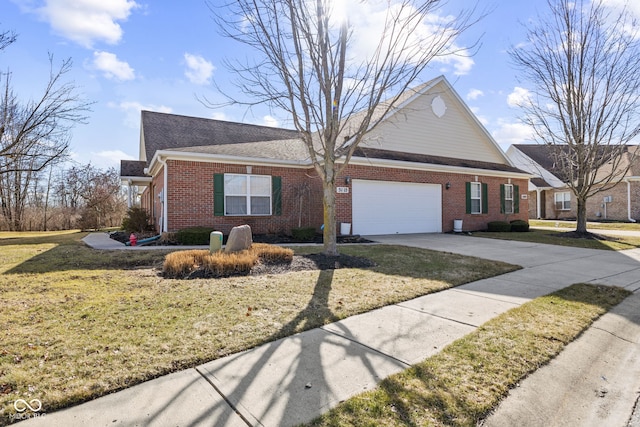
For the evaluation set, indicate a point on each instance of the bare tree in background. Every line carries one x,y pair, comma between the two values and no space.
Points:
34,134
308,67
581,62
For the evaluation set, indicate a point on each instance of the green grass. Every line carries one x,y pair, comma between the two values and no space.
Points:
461,384
552,237
76,323
590,225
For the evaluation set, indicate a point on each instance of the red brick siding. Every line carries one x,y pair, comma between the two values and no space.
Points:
190,196
616,210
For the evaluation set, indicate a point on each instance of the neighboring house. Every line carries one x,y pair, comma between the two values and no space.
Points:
430,162
550,198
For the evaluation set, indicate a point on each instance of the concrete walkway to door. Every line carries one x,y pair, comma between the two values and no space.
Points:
293,380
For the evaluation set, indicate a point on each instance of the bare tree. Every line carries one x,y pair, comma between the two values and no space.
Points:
35,134
581,62
7,38
309,67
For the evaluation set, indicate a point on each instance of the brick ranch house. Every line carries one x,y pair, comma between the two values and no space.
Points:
430,162
550,198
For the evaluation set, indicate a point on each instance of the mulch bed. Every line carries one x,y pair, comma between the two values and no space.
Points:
586,236
273,239
314,262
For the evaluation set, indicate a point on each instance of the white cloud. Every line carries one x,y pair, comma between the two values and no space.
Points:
512,133
199,71
132,110
220,115
109,158
112,67
270,121
519,96
370,20
87,21
474,94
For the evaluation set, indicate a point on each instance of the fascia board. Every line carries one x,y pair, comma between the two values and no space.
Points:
398,164
223,158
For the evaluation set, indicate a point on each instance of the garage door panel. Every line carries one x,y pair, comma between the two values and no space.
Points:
385,207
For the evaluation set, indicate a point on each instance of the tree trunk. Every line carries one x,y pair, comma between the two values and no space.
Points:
581,219
329,205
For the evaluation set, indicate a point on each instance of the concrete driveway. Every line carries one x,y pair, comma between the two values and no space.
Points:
293,380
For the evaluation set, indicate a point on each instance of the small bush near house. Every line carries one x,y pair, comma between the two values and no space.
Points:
519,226
137,220
221,264
499,226
303,233
194,235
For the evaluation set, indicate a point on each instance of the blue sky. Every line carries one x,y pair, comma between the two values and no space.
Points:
131,55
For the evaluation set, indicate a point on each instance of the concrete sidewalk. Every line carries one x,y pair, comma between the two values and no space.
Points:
293,380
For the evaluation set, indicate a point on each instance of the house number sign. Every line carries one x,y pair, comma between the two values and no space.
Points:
342,190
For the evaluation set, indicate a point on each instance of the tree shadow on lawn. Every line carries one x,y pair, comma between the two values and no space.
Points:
69,253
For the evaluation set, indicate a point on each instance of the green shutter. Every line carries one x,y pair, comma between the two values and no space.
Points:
468,196
218,194
516,199
501,198
276,195
485,198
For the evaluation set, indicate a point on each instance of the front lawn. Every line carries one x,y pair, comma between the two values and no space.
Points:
629,226
557,237
76,323
460,385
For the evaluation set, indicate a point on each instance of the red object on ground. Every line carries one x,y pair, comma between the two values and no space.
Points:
133,239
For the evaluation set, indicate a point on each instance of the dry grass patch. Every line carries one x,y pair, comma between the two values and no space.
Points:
183,264
77,323
461,384
561,238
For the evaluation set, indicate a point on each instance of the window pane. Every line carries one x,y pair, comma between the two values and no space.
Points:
508,206
260,205
235,184
508,192
475,205
475,190
235,205
261,185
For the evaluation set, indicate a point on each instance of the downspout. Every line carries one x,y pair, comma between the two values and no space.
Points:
629,201
129,195
538,210
163,227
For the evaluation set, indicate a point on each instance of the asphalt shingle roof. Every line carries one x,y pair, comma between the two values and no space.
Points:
132,168
433,160
170,131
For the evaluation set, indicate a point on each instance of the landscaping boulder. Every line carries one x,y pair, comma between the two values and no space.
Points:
239,239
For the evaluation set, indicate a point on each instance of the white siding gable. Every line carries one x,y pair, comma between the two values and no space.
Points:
416,128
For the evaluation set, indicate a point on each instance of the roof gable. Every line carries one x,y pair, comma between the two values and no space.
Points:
435,121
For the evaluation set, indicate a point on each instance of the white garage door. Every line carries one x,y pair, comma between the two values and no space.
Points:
384,207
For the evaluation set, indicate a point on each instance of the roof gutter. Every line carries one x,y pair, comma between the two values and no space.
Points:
400,164
221,158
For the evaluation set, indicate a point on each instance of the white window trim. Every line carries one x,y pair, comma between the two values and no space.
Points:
508,201
564,202
479,198
248,195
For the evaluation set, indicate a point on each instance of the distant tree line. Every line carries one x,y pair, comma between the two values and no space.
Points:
38,188
59,198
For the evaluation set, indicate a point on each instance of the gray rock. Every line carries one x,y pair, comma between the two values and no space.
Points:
240,238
